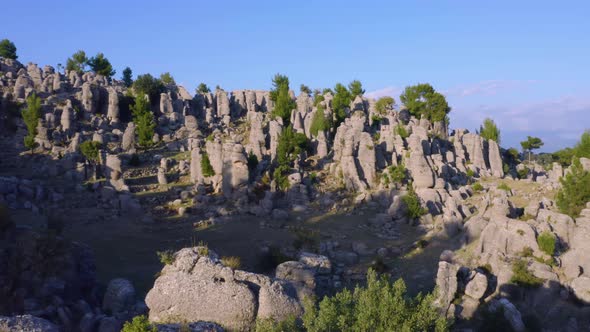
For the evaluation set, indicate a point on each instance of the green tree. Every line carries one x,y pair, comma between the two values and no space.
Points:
203,88
423,101
318,99
101,65
341,103
381,306
206,167
489,130
305,89
31,116
582,149
77,62
290,145
90,151
127,77
149,85
575,190
139,324
166,78
144,121
8,49
413,207
356,89
319,122
531,143
384,105
284,104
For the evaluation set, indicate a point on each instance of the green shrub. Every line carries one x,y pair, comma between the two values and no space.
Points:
203,88
290,145
284,105
384,105
414,208
305,89
477,187
546,242
127,77
522,276
206,167
341,103
89,150
8,49
319,122
318,99
523,173
395,174
167,78
271,325
380,306
144,121
376,119
166,257
31,116
489,130
470,173
575,190
148,85
402,131
139,324
77,62
526,251
232,262
423,101
504,186
356,88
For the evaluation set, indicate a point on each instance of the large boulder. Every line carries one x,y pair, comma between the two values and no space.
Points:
446,281
26,323
119,296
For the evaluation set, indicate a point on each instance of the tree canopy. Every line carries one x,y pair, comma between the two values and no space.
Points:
356,89
144,121
305,89
149,85
89,150
77,62
575,190
531,143
384,105
489,130
341,103
167,78
101,65
284,104
31,116
422,100
127,77
8,49
203,88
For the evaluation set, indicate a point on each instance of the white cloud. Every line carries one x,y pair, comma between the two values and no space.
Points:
486,88
387,91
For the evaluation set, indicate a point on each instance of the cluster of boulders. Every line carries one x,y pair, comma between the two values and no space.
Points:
197,286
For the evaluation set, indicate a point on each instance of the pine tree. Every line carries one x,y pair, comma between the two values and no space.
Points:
31,116
284,105
144,121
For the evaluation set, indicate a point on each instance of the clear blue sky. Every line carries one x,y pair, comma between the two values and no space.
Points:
526,64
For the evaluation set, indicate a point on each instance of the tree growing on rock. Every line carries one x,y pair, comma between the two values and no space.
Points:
290,145
575,190
582,149
8,49
356,88
31,116
384,105
341,103
203,88
127,77
531,143
305,89
167,78
144,121
101,65
149,85
319,122
489,130
206,167
77,62
422,100
90,151
379,306
284,104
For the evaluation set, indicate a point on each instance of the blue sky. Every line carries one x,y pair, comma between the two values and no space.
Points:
523,63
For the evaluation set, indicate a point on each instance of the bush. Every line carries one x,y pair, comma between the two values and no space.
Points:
376,119
318,99
423,101
284,105
166,257
89,150
414,208
402,131
319,122
523,173
8,49
232,262
356,88
477,187
290,145
167,78
305,89
203,88
271,325
575,190
504,186
31,116
341,103
470,173
139,324
380,306
202,249
522,276
489,130
395,174
144,121
384,105
101,65
77,62
546,242
206,167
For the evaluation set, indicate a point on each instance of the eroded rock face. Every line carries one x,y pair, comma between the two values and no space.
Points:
26,323
446,281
